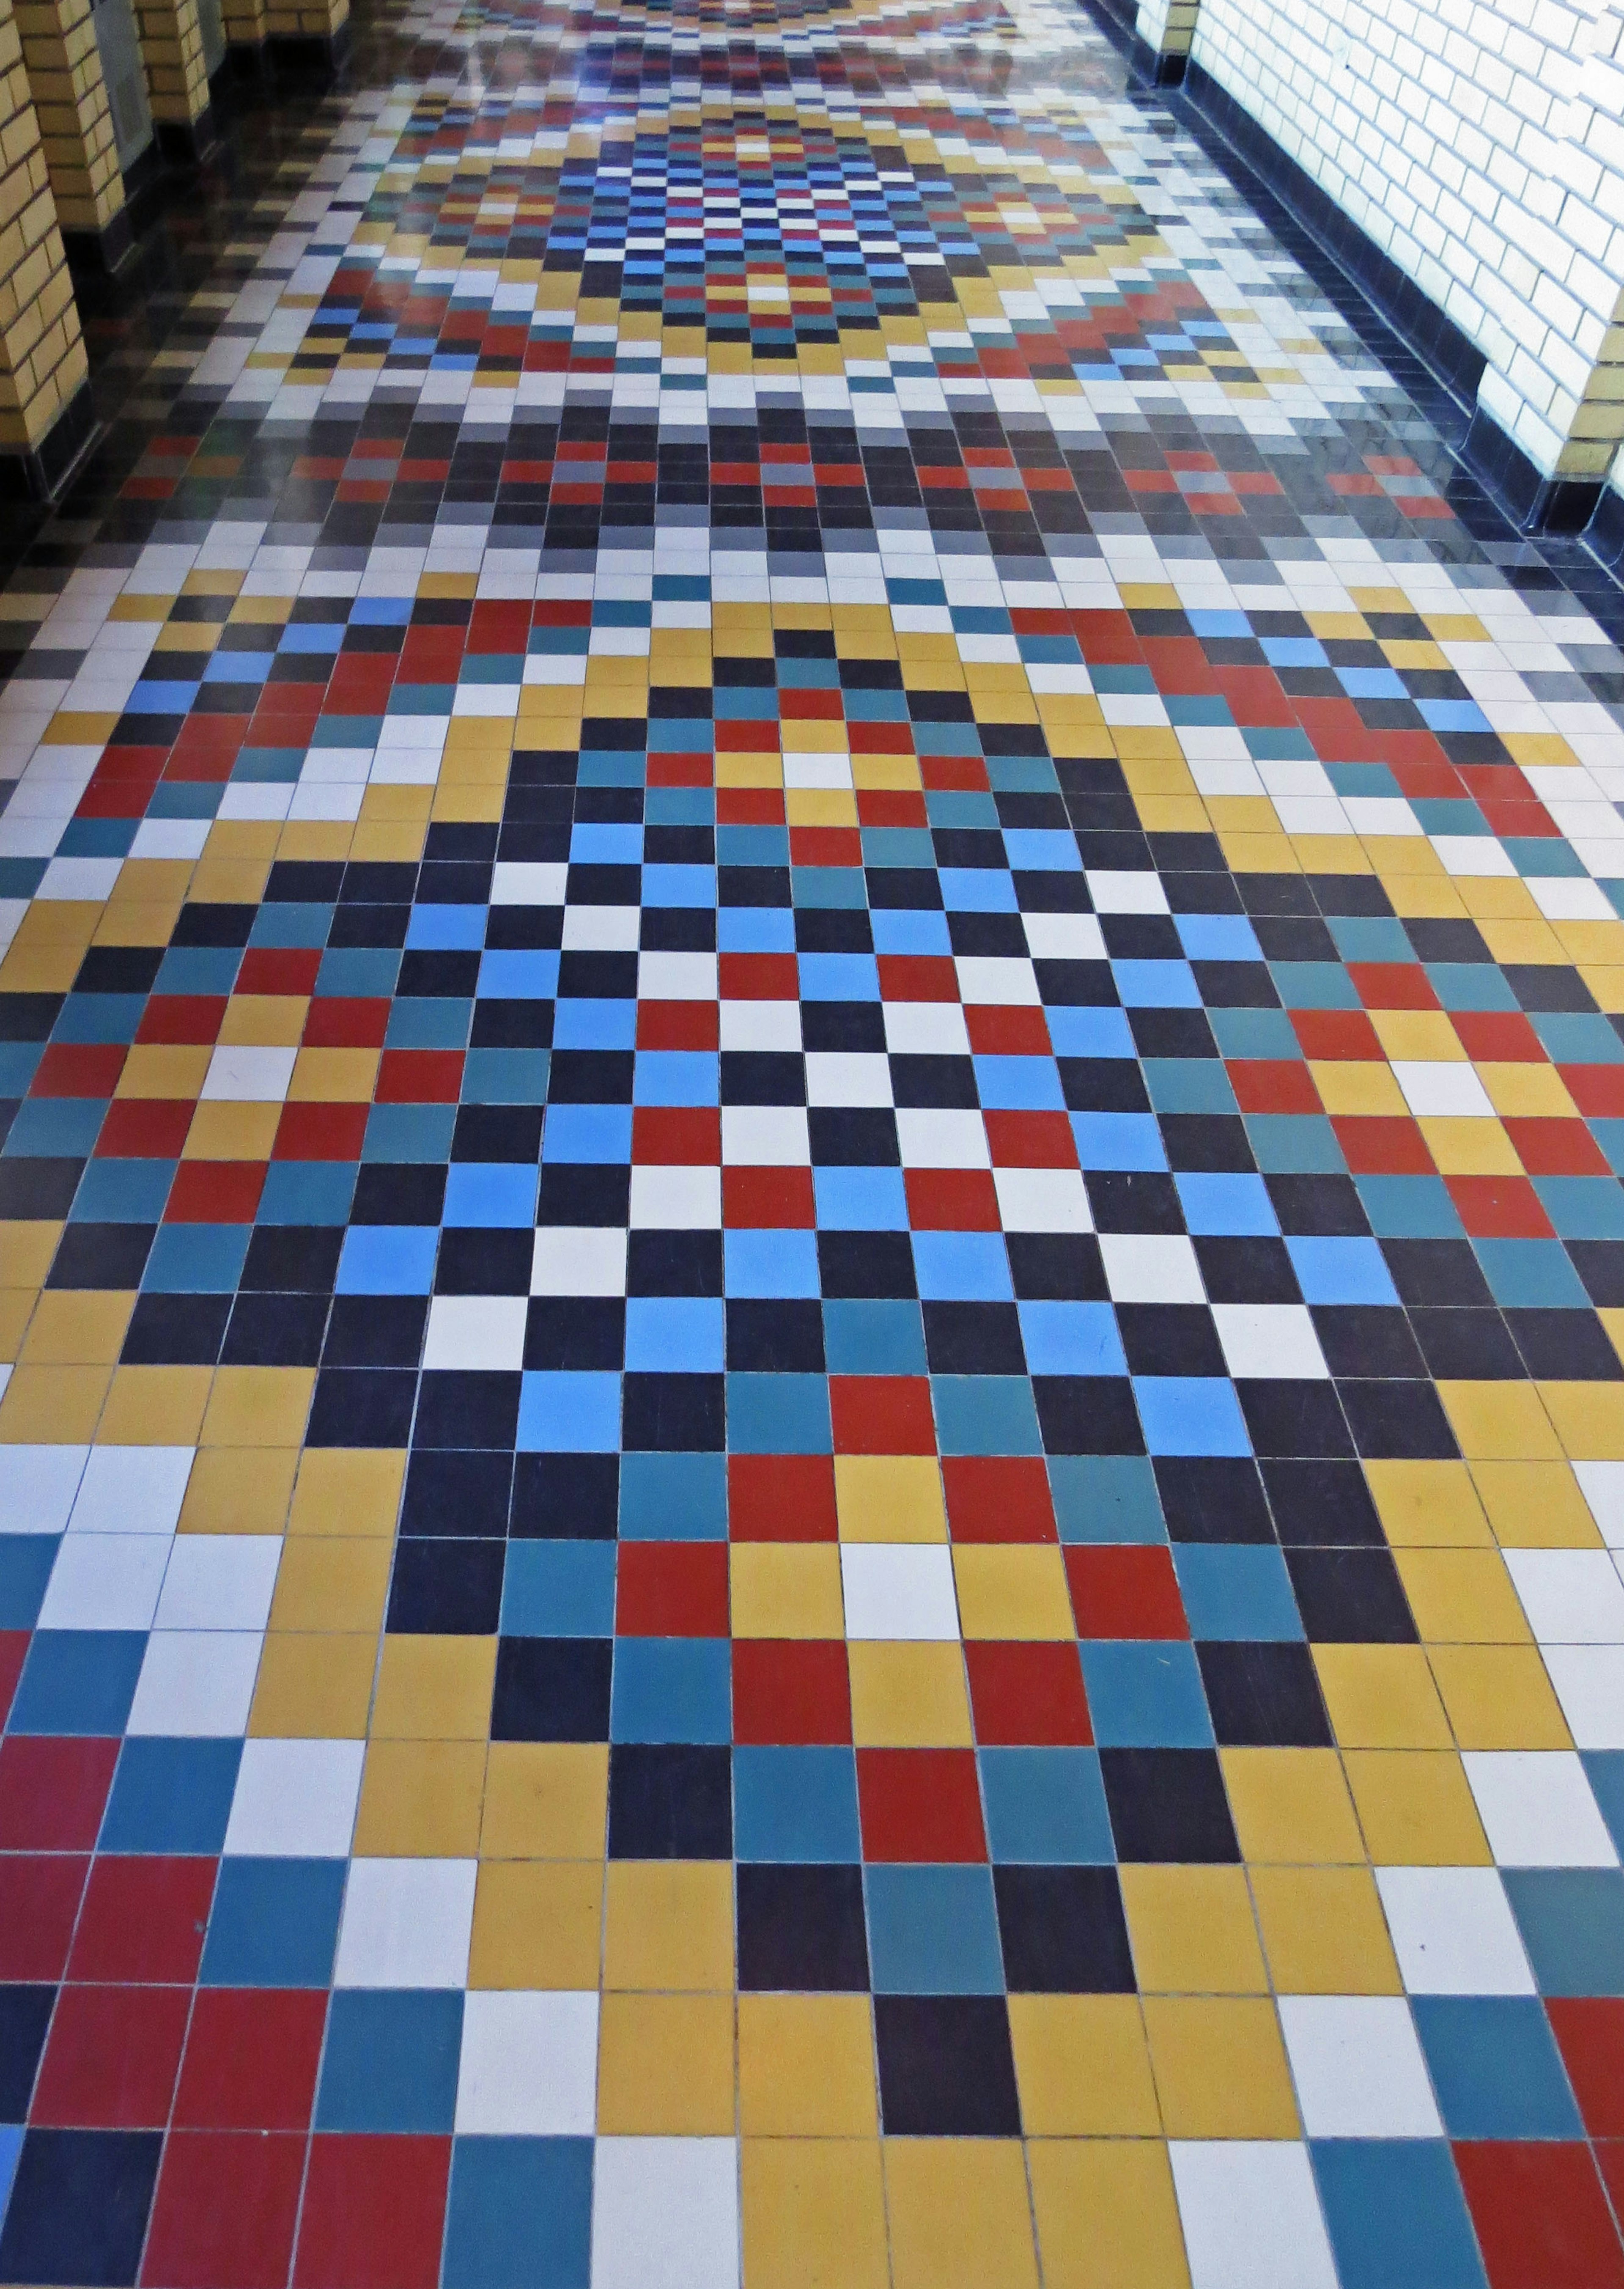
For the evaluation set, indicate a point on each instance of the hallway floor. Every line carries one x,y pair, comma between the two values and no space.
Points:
813,1072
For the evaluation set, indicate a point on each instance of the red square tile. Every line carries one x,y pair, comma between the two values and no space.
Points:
143,1920
1027,1695
918,978
791,1693
251,2059
955,1200
1543,2219
1597,1090
679,1024
374,2212
781,1498
768,1200
39,1904
826,845
52,1793
112,2058
759,977
919,1805
1273,1085
419,1077
1557,1148
1502,1037
1025,1140
1590,2032
677,1136
215,1192
319,1132
280,970
997,1498
1005,1030
1381,1145
182,1020
78,1069
145,1128
1392,985
1125,1590
346,1021
225,2212
672,1590
881,1415
1498,1207
1337,1035
209,739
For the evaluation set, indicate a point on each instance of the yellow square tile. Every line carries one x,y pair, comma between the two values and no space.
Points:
1416,1809
549,1798
1469,1148
538,1924
1219,2067
16,1309
434,1688
329,1585
154,1407
665,2066
1419,1036
52,1406
1355,1086
959,2213
241,1490
813,2214
344,1490
27,1248
1461,1597
806,2067
1503,1421
1528,1092
786,1590
669,1924
1013,1590
1107,2215
1590,1419
264,1020
421,1799
1290,1804
1535,1507
319,1687
1380,1696
908,1697
1083,2067
1427,1505
77,1327
1192,1930
1499,1697
889,1498
259,1406
230,1131
1324,1932
333,1077
173,1070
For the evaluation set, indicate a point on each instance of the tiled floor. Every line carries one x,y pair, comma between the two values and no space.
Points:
813,1062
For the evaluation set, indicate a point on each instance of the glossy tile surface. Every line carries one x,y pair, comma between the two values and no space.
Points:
813,1074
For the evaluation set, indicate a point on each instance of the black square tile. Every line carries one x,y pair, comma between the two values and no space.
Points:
974,1339
450,1492
447,1588
1322,1503
552,1689
946,2068
670,1803
1167,1805
775,1336
1263,1696
79,2205
566,1497
801,1928
1212,1498
1350,1596
1063,1931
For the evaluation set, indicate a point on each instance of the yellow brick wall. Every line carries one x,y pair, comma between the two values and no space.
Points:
305,20
70,101
41,351
244,22
173,51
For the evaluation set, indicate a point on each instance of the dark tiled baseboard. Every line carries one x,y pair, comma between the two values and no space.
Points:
1606,530
44,471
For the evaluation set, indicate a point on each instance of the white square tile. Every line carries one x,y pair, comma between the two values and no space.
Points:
1588,1682
1064,937
1251,2215
475,1333
675,1199
1270,1339
1151,1268
296,1799
242,1075
926,1029
601,930
838,1078
1042,1200
578,1260
899,1590
930,1138
1006,980
406,1924
219,1582
529,2065
760,1025
1126,893
1443,1089
110,1583
669,977
1358,2067
131,1490
197,1682
1454,1932
765,1137
1602,1484
1570,1597
37,1485
1537,1810
666,2213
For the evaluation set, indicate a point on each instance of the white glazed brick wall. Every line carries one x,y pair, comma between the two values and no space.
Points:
1480,143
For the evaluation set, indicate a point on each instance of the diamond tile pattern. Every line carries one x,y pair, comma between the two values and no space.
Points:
814,1093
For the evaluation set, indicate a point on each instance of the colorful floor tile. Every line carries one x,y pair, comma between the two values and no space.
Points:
813,1055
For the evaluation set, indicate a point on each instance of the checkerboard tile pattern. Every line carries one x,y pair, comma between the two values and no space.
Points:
813,1248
